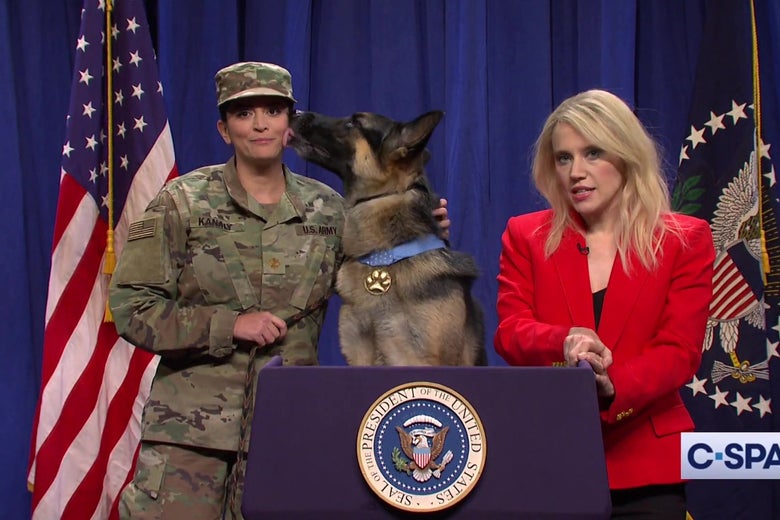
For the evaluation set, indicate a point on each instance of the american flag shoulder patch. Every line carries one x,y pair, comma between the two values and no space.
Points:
142,229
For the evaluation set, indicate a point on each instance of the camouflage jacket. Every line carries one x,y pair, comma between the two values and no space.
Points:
203,253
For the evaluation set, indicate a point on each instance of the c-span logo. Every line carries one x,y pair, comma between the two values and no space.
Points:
421,447
731,456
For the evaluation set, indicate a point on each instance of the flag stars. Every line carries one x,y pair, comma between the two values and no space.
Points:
771,349
140,124
137,91
737,112
91,142
750,228
103,169
776,326
771,176
763,148
119,97
117,64
120,130
88,110
716,122
159,87
719,397
66,149
135,58
124,162
114,32
92,175
697,385
85,77
81,43
696,137
764,406
684,153
741,404
132,25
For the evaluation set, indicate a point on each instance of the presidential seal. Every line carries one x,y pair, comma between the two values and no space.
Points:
421,447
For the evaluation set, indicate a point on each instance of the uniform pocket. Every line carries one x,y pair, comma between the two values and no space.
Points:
672,420
145,240
217,264
314,276
150,472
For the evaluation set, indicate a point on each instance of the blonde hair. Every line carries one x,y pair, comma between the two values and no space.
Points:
608,123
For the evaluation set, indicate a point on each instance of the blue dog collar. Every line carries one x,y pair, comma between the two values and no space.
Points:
405,250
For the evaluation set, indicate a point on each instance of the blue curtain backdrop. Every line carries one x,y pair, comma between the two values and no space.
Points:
496,67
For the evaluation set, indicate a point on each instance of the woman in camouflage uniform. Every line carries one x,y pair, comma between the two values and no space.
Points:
221,257
230,264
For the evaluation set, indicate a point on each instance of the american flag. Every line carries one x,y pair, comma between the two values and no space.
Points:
94,384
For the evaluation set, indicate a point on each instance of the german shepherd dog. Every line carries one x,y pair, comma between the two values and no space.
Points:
406,296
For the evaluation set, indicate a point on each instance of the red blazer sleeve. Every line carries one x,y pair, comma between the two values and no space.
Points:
522,336
660,349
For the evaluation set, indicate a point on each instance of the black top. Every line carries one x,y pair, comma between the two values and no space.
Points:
598,303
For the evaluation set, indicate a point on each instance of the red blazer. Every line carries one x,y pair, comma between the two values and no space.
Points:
653,322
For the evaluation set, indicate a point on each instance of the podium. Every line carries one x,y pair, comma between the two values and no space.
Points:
544,456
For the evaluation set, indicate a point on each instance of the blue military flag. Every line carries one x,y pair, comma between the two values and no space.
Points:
726,176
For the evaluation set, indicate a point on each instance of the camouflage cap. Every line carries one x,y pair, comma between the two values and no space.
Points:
252,78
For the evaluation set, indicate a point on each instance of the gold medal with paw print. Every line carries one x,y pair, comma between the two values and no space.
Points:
378,282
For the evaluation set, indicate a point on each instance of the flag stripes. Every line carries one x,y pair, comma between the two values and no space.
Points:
732,296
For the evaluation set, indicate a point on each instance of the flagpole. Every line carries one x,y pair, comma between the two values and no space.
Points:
759,141
110,260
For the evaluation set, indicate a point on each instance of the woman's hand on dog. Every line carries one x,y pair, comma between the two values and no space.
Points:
583,344
442,217
262,328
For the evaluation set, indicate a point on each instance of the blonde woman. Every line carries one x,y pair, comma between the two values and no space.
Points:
610,275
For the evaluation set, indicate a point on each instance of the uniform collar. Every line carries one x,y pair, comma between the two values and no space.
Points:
290,205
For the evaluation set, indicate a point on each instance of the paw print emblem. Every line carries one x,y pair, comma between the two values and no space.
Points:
378,282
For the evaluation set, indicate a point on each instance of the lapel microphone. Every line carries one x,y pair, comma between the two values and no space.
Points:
584,250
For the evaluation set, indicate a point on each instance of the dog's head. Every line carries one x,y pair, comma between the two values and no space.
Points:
372,154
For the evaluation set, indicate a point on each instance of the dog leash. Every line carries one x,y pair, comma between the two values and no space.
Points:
249,383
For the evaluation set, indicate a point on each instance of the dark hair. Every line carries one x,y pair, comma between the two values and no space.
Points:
232,106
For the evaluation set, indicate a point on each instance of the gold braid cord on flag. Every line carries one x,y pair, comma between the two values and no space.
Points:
110,261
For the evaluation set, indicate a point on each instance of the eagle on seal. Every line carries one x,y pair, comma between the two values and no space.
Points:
423,453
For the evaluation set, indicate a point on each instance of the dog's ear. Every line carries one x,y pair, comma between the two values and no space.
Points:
413,136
